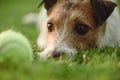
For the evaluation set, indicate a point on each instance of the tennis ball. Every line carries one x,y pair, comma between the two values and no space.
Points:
15,47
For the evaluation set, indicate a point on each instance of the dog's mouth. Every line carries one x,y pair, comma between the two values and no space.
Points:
57,54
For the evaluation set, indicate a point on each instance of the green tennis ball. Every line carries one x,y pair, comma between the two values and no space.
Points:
15,47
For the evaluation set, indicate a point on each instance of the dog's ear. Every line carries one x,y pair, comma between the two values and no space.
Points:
48,3
102,10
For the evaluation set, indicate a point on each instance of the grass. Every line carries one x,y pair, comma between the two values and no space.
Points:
88,64
93,64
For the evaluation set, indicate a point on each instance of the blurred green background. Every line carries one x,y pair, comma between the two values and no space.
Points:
12,13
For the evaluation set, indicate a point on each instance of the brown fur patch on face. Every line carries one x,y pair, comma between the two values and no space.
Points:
64,16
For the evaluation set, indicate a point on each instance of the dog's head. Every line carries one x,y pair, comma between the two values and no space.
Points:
75,24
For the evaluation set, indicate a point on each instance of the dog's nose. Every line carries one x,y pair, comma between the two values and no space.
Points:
57,54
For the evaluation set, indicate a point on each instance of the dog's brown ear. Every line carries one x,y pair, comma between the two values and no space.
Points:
102,10
48,3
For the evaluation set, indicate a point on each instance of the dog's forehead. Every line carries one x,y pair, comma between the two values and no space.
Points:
71,4
72,10
68,7
68,4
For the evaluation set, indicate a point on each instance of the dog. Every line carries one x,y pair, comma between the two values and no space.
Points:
70,25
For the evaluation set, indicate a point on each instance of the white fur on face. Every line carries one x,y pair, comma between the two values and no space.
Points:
48,52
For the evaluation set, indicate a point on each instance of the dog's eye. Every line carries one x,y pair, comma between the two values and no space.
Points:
50,27
81,29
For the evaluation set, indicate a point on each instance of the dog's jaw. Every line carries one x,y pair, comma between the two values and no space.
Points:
48,52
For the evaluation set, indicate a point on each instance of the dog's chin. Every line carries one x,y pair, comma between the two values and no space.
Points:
46,53
57,52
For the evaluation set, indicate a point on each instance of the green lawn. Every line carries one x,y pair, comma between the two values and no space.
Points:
92,64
